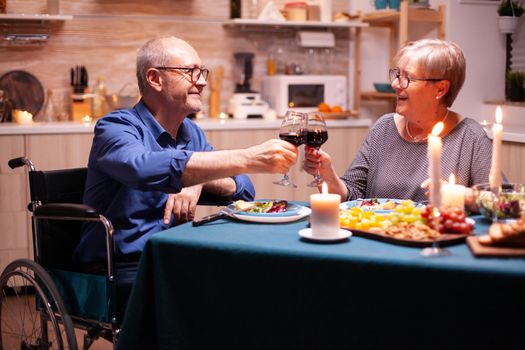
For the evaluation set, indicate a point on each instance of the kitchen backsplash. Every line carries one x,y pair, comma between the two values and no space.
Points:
104,36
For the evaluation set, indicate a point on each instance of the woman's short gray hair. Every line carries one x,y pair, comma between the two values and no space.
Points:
152,54
436,59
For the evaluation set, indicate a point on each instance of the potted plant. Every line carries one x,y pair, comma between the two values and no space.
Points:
509,11
515,86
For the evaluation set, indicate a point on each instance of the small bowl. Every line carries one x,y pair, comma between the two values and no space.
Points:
383,87
511,200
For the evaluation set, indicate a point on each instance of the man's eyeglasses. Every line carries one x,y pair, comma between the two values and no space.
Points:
404,80
195,72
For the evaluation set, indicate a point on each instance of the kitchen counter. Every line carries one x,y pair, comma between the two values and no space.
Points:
511,133
205,124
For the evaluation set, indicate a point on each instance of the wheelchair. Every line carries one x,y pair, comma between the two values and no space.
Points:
43,300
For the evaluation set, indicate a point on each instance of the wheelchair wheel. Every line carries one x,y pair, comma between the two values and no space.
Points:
32,313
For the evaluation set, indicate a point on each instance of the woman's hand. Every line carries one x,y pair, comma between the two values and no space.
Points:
317,160
182,204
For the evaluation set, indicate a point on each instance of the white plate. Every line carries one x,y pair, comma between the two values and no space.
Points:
306,233
291,210
303,212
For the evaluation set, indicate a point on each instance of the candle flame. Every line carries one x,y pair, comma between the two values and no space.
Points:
499,115
452,179
438,128
324,188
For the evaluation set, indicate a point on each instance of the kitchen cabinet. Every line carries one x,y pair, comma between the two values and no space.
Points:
398,22
14,235
51,151
513,161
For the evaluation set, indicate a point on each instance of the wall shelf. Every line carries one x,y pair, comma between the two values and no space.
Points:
34,17
374,95
241,22
20,29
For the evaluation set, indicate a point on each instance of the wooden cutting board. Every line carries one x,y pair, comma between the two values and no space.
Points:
24,90
479,250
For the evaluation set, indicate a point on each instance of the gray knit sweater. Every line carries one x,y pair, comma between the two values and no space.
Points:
387,166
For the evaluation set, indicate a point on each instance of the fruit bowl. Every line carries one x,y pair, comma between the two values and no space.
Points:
511,200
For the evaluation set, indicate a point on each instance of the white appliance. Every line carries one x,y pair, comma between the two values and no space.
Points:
247,105
303,93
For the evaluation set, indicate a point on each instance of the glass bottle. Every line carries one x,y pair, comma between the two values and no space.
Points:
270,64
253,9
280,63
235,8
99,107
6,108
49,111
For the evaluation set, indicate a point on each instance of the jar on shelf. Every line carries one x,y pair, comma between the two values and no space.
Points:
296,11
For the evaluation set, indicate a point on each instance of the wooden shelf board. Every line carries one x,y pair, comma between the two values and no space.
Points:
259,23
388,18
34,17
374,95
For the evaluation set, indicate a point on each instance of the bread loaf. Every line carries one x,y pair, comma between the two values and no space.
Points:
507,235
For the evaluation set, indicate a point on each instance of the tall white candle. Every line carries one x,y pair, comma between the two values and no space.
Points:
497,131
434,162
324,220
453,195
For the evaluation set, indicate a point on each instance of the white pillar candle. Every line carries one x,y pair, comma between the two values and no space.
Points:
22,117
453,195
434,164
324,220
495,170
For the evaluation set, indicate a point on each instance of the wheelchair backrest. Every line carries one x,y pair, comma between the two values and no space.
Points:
57,239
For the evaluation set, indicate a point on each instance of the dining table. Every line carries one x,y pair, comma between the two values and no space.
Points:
234,284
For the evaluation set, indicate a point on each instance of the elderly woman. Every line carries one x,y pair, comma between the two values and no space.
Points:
392,161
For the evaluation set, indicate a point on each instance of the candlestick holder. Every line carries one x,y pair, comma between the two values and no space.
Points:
435,250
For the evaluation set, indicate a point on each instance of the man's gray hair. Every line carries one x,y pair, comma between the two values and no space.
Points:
152,54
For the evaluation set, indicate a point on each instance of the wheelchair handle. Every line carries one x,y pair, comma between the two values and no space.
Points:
20,161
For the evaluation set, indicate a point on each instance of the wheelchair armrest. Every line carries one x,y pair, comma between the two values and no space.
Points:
79,211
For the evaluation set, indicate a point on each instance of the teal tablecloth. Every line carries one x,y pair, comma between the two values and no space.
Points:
238,285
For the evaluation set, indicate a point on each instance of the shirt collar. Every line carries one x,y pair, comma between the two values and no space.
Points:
156,129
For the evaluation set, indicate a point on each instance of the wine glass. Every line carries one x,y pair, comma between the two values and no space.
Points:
435,249
315,134
292,131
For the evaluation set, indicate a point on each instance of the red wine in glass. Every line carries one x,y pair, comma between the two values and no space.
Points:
294,138
315,133
315,138
291,130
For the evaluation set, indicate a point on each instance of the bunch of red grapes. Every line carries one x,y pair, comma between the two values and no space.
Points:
450,220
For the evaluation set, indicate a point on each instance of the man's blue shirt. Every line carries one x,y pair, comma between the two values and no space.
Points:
134,163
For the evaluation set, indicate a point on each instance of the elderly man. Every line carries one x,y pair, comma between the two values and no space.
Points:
149,164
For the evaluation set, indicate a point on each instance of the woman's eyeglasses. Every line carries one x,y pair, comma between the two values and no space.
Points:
404,80
194,72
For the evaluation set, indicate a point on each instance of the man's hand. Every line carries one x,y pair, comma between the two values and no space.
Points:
272,156
182,204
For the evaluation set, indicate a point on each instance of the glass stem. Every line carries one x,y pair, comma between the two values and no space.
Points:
435,218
